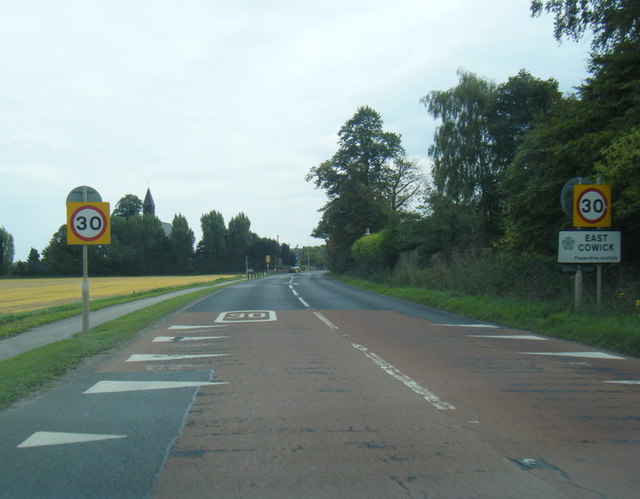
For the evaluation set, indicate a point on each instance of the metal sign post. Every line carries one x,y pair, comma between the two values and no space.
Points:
87,223
589,205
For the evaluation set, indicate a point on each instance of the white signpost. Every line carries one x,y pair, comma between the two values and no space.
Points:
589,246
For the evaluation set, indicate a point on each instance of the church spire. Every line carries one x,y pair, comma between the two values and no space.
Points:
148,206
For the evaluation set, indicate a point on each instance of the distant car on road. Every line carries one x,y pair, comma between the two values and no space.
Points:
295,270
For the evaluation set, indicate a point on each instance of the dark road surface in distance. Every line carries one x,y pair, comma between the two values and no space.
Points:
300,386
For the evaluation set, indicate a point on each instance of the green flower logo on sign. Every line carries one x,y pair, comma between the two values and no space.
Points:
568,243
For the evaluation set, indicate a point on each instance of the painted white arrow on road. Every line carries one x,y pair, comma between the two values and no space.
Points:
584,355
43,438
134,386
508,336
171,339
194,327
159,357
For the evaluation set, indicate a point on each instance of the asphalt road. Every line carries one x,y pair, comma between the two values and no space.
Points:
299,386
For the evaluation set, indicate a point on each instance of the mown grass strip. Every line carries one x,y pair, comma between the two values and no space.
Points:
619,333
26,373
13,324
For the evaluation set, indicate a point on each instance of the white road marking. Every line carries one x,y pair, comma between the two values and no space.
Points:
161,339
247,316
406,380
325,320
586,355
626,382
159,357
304,302
295,293
107,386
43,438
508,336
195,327
489,326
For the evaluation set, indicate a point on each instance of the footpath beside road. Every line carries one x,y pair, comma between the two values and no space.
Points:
60,330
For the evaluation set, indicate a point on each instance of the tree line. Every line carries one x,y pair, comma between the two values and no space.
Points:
141,245
500,156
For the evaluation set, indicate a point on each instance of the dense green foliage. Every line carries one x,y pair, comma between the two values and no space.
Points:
368,182
612,21
500,156
142,245
129,206
6,251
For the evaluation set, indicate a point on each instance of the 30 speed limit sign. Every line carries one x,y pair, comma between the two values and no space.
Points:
591,205
88,223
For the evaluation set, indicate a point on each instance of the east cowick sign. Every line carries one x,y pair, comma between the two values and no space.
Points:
589,246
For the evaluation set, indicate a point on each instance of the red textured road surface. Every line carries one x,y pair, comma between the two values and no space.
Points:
378,403
303,387
305,414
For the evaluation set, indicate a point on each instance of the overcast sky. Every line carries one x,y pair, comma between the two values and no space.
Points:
227,105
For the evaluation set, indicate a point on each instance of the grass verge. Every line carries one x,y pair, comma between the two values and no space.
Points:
26,373
13,324
618,333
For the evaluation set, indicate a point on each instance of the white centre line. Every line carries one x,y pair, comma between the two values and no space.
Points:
304,302
433,399
625,382
325,320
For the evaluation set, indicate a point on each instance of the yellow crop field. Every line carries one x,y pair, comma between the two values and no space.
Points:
22,295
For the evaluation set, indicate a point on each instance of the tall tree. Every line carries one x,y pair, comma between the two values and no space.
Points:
403,183
260,249
612,21
6,251
464,165
128,206
568,143
483,124
60,258
518,103
620,167
238,241
138,246
33,261
356,181
181,241
211,249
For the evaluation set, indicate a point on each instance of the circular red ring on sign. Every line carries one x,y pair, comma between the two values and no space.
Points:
102,217
604,200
